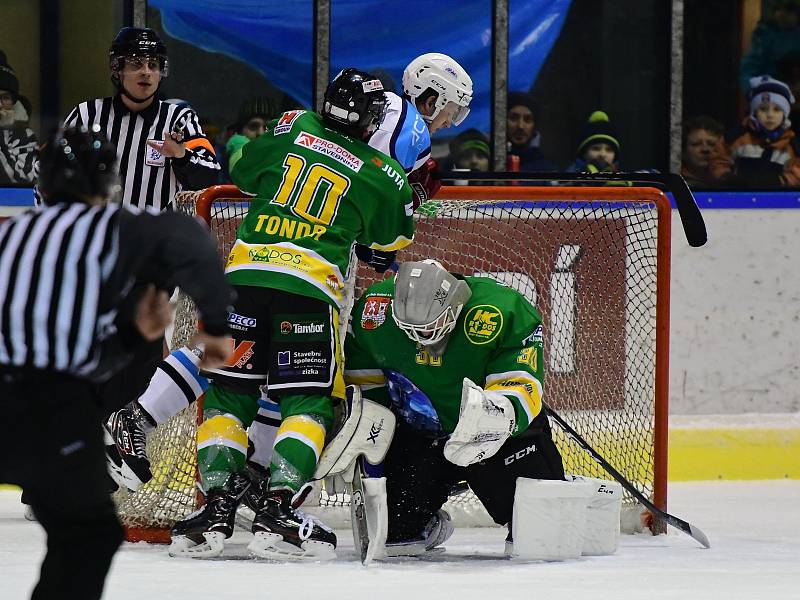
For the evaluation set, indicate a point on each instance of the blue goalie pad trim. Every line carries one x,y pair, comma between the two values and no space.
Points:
413,406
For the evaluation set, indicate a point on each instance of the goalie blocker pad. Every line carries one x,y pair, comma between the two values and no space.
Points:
561,520
367,430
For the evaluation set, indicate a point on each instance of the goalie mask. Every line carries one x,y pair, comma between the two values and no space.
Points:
427,302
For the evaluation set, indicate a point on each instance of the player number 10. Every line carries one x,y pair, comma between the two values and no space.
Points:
304,184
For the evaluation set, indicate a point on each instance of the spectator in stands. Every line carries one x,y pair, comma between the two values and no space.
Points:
702,145
773,39
254,115
17,141
470,150
523,137
767,153
789,71
598,150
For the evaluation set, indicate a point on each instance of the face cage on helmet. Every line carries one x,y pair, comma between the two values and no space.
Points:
377,110
440,327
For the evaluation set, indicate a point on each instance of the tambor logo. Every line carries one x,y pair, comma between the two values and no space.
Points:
286,327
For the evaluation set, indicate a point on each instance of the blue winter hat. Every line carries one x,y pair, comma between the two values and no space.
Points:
766,89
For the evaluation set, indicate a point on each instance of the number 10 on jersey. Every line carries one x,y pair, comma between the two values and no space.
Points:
312,193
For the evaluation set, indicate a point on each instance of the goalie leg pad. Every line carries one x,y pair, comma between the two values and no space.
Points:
549,518
367,430
603,514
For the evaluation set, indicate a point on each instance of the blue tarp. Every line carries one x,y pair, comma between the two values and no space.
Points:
23,197
276,38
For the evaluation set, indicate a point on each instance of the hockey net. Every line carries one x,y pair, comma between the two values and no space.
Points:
594,261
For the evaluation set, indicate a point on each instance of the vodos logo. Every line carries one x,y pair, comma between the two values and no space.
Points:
520,454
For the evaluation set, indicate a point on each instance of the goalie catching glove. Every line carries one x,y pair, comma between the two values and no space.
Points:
485,422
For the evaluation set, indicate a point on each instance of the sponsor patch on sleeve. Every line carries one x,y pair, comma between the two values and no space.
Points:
284,124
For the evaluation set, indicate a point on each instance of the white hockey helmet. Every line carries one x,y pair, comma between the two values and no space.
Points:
444,76
427,301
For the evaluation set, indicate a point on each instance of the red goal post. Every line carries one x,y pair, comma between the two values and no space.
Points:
596,263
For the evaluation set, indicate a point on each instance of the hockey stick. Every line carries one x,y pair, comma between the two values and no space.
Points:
693,225
684,526
358,514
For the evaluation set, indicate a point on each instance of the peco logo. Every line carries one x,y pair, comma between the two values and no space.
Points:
241,320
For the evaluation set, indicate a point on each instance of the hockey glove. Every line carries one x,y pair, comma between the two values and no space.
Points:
425,182
377,259
485,422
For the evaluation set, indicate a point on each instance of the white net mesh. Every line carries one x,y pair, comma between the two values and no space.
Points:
588,264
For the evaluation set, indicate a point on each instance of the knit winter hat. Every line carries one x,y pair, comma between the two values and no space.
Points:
8,79
598,129
766,89
521,99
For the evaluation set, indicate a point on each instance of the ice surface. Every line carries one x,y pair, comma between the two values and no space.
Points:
754,528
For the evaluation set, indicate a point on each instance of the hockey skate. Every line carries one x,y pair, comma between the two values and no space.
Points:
203,533
259,484
436,532
283,532
125,436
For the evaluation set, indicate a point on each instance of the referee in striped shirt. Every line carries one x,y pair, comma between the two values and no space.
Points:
64,271
160,149
160,146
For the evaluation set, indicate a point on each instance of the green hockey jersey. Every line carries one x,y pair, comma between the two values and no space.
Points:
497,343
316,192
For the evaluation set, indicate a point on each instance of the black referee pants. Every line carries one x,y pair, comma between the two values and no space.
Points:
419,478
51,445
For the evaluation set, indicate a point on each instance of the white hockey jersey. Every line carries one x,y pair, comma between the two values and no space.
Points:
403,134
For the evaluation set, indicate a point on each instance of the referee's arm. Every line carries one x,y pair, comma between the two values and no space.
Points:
198,168
178,248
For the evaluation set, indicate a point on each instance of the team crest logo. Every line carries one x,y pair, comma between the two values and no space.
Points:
286,327
483,323
374,313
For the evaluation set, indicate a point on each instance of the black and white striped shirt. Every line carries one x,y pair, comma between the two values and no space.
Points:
65,269
149,178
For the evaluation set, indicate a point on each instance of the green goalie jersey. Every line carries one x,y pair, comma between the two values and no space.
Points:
497,343
316,192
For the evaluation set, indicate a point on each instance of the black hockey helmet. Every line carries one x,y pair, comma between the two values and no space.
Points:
75,163
354,103
136,41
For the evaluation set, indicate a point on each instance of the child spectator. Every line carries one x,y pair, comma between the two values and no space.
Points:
598,151
470,150
17,141
766,154
701,147
523,137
